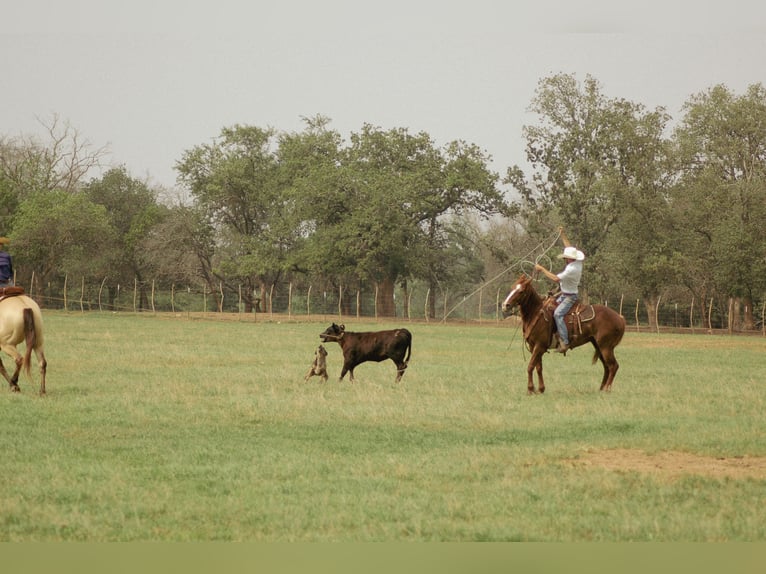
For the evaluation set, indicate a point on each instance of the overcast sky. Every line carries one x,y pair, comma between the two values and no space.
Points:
153,79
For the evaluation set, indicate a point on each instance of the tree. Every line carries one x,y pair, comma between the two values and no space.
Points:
602,169
180,248
237,181
29,166
721,143
58,233
407,191
133,210
570,156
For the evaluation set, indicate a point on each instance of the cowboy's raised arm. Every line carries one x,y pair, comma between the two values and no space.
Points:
548,274
564,238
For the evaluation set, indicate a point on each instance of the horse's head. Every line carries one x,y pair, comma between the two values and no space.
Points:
518,292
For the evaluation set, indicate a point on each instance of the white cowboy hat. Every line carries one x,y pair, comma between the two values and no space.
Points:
572,253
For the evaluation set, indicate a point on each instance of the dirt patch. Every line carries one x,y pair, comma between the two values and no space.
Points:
673,464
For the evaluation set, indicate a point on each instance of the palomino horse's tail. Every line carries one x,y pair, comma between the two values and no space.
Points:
30,337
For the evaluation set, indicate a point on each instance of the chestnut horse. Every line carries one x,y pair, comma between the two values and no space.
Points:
21,320
596,324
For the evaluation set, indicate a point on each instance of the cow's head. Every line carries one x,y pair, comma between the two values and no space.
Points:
332,333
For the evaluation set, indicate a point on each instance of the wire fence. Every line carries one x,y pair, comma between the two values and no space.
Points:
290,301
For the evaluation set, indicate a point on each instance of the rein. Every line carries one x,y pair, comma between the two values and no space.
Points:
336,338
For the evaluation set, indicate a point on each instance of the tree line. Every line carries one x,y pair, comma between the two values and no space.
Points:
662,208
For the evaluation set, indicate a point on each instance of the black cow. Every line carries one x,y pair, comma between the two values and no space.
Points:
370,346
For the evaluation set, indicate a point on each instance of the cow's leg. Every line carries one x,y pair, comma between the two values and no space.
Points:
347,369
400,367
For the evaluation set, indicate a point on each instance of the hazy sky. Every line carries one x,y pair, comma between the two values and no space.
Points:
153,79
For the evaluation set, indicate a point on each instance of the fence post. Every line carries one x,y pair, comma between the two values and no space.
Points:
82,296
657,314
730,321
425,309
638,325
100,289
308,303
290,300
691,315
65,302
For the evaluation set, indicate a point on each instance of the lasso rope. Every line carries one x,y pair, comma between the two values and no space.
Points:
519,263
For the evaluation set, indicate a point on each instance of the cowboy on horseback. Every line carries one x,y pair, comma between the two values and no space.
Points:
569,282
6,264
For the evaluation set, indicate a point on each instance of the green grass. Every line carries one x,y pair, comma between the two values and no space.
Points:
187,430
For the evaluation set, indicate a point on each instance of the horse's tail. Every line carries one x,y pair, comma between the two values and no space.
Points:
30,337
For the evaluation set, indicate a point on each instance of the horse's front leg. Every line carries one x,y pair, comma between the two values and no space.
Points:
535,364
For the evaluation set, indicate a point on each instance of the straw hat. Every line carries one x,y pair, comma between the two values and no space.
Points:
4,241
572,253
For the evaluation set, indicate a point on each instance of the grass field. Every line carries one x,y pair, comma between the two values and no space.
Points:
180,429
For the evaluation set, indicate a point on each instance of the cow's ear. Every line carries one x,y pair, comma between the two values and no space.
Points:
342,327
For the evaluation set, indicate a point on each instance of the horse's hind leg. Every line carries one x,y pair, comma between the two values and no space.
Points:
43,368
13,380
6,375
611,366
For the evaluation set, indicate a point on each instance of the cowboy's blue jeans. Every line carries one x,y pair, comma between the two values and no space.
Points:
565,304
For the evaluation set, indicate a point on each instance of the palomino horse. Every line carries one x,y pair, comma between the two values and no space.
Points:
21,320
596,324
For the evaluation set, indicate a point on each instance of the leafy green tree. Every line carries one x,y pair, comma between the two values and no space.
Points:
237,181
721,142
570,154
602,168
408,191
133,210
58,233
180,248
